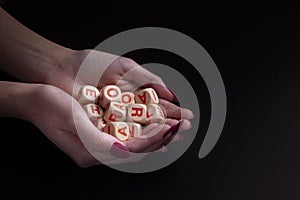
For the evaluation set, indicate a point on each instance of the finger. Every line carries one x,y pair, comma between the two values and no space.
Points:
101,145
72,146
173,130
162,149
176,136
94,67
141,76
174,111
168,121
179,127
158,146
126,85
184,123
81,153
153,134
163,92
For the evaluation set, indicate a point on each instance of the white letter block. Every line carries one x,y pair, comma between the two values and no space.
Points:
118,129
127,98
146,96
93,111
136,113
108,94
154,113
135,129
116,112
100,124
88,94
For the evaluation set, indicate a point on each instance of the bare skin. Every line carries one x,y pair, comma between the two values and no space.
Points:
50,72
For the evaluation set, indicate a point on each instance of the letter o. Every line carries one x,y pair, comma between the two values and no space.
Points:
112,92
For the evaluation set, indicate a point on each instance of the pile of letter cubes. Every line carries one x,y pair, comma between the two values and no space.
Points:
120,114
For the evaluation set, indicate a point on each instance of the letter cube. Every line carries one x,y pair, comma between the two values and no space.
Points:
135,129
108,94
127,98
118,129
154,113
116,112
88,94
136,113
93,111
146,96
100,123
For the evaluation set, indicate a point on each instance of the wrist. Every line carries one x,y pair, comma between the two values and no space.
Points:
62,72
53,63
25,54
17,99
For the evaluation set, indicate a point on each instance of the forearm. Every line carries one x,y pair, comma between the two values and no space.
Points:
25,54
17,99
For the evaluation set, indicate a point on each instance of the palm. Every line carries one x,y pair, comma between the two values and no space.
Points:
99,69
57,123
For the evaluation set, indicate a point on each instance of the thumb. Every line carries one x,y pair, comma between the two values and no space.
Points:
101,145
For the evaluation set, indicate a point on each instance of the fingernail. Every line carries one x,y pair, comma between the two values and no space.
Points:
169,131
190,125
175,128
119,150
164,149
179,137
187,114
175,98
172,130
187,125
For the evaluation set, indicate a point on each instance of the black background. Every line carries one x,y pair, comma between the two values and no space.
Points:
256,48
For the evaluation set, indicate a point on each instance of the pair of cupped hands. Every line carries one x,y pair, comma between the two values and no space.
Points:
56,112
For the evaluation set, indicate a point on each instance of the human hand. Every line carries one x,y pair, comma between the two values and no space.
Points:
97,68
42,61
100,69
61,118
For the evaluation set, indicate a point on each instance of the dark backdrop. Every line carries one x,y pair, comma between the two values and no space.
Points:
256,48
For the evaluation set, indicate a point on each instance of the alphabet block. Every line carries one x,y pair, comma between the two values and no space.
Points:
127,98
116,112
88,94
100,123
154,113
93,111
118,129
146,96
136,113
135,129
109,94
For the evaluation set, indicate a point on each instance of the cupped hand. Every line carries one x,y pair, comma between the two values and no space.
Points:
52,114
59,116
100,69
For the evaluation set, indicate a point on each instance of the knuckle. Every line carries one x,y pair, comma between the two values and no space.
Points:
132,147
127,63
156,80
